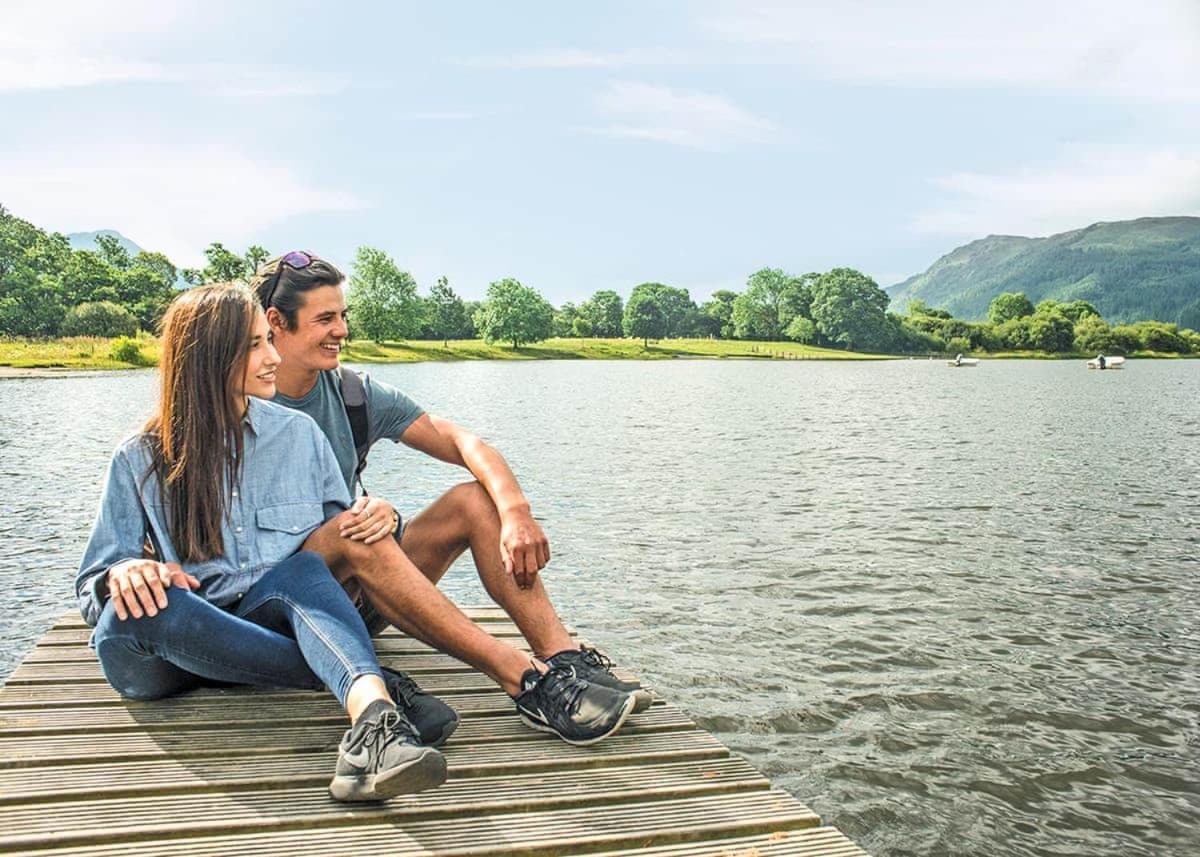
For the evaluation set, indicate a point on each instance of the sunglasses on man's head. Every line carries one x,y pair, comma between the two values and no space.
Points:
297,260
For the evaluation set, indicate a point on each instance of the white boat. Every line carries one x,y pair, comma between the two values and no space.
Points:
964,363
1109,363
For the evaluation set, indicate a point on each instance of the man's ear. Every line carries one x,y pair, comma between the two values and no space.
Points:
276,320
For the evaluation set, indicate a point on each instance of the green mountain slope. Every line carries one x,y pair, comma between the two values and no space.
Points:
1129,270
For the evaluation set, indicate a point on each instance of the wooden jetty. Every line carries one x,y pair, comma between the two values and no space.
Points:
244,771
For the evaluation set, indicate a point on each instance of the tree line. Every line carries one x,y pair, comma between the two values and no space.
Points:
48,289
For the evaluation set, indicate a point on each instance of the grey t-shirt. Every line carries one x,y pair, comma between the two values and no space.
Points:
389,413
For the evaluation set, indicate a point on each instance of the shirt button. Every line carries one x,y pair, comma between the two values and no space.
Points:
243,566
239,529
295,529
235,492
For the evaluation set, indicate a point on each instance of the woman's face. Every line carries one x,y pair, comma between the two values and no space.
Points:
261,362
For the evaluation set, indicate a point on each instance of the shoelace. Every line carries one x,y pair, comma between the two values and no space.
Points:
405,686
595,658
563,683
378,734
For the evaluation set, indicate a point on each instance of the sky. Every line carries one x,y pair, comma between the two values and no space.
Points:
580,147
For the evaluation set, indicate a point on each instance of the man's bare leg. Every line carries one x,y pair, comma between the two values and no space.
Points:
465,517
408,600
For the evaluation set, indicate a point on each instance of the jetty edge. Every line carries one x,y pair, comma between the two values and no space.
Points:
245,771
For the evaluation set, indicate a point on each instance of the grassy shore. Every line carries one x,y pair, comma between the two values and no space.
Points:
93,353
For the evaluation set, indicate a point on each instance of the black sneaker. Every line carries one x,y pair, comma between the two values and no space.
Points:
594,665
435,721
574,709
379,758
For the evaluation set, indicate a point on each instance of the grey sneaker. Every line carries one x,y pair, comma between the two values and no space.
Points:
560,702
379,758
434,720
594,666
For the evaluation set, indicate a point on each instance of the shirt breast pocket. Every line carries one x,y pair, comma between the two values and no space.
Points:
282,528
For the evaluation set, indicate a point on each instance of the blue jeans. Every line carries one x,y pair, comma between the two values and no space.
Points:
295,627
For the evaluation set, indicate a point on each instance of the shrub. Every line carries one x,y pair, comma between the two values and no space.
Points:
126,350
103,318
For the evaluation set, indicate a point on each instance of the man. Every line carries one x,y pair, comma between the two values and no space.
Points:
563,690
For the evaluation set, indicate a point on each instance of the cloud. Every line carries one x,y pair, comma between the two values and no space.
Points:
1097,47
1086,185
694,119
65,44
569,58
174,199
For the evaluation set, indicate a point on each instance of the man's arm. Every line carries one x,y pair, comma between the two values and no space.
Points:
523,544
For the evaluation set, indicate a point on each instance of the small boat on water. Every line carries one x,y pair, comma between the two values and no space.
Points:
1109,363
964,363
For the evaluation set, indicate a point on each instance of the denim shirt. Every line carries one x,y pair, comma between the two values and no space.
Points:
290,484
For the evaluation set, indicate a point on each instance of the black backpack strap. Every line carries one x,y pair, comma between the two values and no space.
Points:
354,399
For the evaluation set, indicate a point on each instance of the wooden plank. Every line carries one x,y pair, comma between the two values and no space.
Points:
267,740
100,694
557,832
174,776
115,820
812,842
210,713
245,771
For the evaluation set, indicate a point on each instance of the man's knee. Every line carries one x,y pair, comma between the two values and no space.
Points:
473,501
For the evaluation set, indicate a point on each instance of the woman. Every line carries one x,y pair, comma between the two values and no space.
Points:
226,487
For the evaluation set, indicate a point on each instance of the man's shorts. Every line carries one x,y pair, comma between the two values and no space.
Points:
370,616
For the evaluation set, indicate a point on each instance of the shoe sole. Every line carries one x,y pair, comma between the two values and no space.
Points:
425,771
447,731
581,742
642,699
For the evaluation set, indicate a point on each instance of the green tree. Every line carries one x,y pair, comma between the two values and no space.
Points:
850,309
673,303
771,300
99,319
581,327
1050,330
1092,333
111,251
448,314
564,320
802,330
514,313
604,311
255,256
382,299
720,310
644,317
223,265
1007,306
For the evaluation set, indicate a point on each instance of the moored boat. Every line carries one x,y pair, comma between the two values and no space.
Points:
1106,363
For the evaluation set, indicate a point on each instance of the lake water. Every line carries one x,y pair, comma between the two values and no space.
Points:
955,611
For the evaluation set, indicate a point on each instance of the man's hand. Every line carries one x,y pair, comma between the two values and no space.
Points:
523,547
371,519
139,586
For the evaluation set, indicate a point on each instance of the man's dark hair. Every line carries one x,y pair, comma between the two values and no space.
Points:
283,288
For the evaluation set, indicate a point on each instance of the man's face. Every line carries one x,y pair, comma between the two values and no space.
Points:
320,329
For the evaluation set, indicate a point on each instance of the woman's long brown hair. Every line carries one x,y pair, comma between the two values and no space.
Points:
196,436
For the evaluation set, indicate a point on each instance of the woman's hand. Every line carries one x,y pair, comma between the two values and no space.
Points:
371,519
139,587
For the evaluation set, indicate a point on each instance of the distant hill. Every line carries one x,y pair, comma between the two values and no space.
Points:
1130,270
87,240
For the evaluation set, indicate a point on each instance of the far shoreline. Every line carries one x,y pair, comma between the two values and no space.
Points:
72,357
